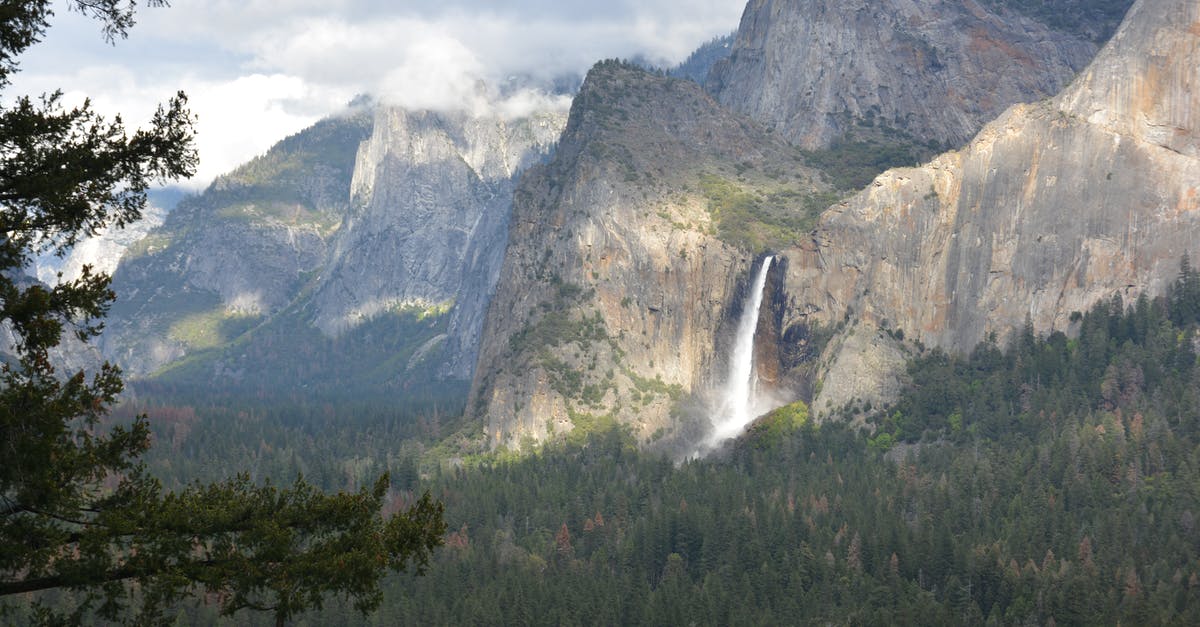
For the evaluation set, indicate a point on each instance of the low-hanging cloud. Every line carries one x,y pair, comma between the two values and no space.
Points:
258,70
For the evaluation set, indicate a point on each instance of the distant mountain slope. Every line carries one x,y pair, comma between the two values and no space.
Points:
227,259
103,252
346,254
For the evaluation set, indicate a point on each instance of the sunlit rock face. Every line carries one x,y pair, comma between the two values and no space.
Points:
936,69
1051,208
616,295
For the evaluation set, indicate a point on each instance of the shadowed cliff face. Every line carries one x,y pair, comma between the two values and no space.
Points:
768,340
619,272
382,214
1051,208
934,69
235,253
432,193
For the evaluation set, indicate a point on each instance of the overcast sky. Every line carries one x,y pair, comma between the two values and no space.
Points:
258,70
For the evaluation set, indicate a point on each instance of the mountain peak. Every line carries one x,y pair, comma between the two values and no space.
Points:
823,70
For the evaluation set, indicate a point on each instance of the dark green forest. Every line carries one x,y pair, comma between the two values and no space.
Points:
1055,480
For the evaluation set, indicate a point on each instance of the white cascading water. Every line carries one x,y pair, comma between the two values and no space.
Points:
737,403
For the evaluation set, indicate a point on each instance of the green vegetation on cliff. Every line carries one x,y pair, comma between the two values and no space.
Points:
292,169
648,128
869,147
762,218
853,164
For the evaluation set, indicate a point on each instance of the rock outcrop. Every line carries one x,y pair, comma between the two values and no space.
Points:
626,254
1051,208
936,70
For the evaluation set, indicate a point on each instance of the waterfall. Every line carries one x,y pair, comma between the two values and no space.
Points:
737,403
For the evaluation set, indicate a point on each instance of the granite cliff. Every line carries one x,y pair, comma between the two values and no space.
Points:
627,254
352,251
430,200
630,252
1052,207
824,72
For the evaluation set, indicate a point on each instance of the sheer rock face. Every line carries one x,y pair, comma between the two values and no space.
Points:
354,217
1051,208
615,287
431,197
938,69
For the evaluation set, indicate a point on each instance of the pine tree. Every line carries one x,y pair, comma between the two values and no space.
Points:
77,508
1185,294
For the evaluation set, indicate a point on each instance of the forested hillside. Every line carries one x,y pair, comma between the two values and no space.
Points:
1054,479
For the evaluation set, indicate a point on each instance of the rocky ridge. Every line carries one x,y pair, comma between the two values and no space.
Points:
824,71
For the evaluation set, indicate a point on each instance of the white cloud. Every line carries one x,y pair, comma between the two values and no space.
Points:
437,72
242,118
238,118
257,70
528,101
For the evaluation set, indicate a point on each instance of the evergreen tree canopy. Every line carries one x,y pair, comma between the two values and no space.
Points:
77,509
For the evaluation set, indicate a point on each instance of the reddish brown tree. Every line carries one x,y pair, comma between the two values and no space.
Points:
562,543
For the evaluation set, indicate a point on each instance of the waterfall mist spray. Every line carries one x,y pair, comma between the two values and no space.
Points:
739,402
